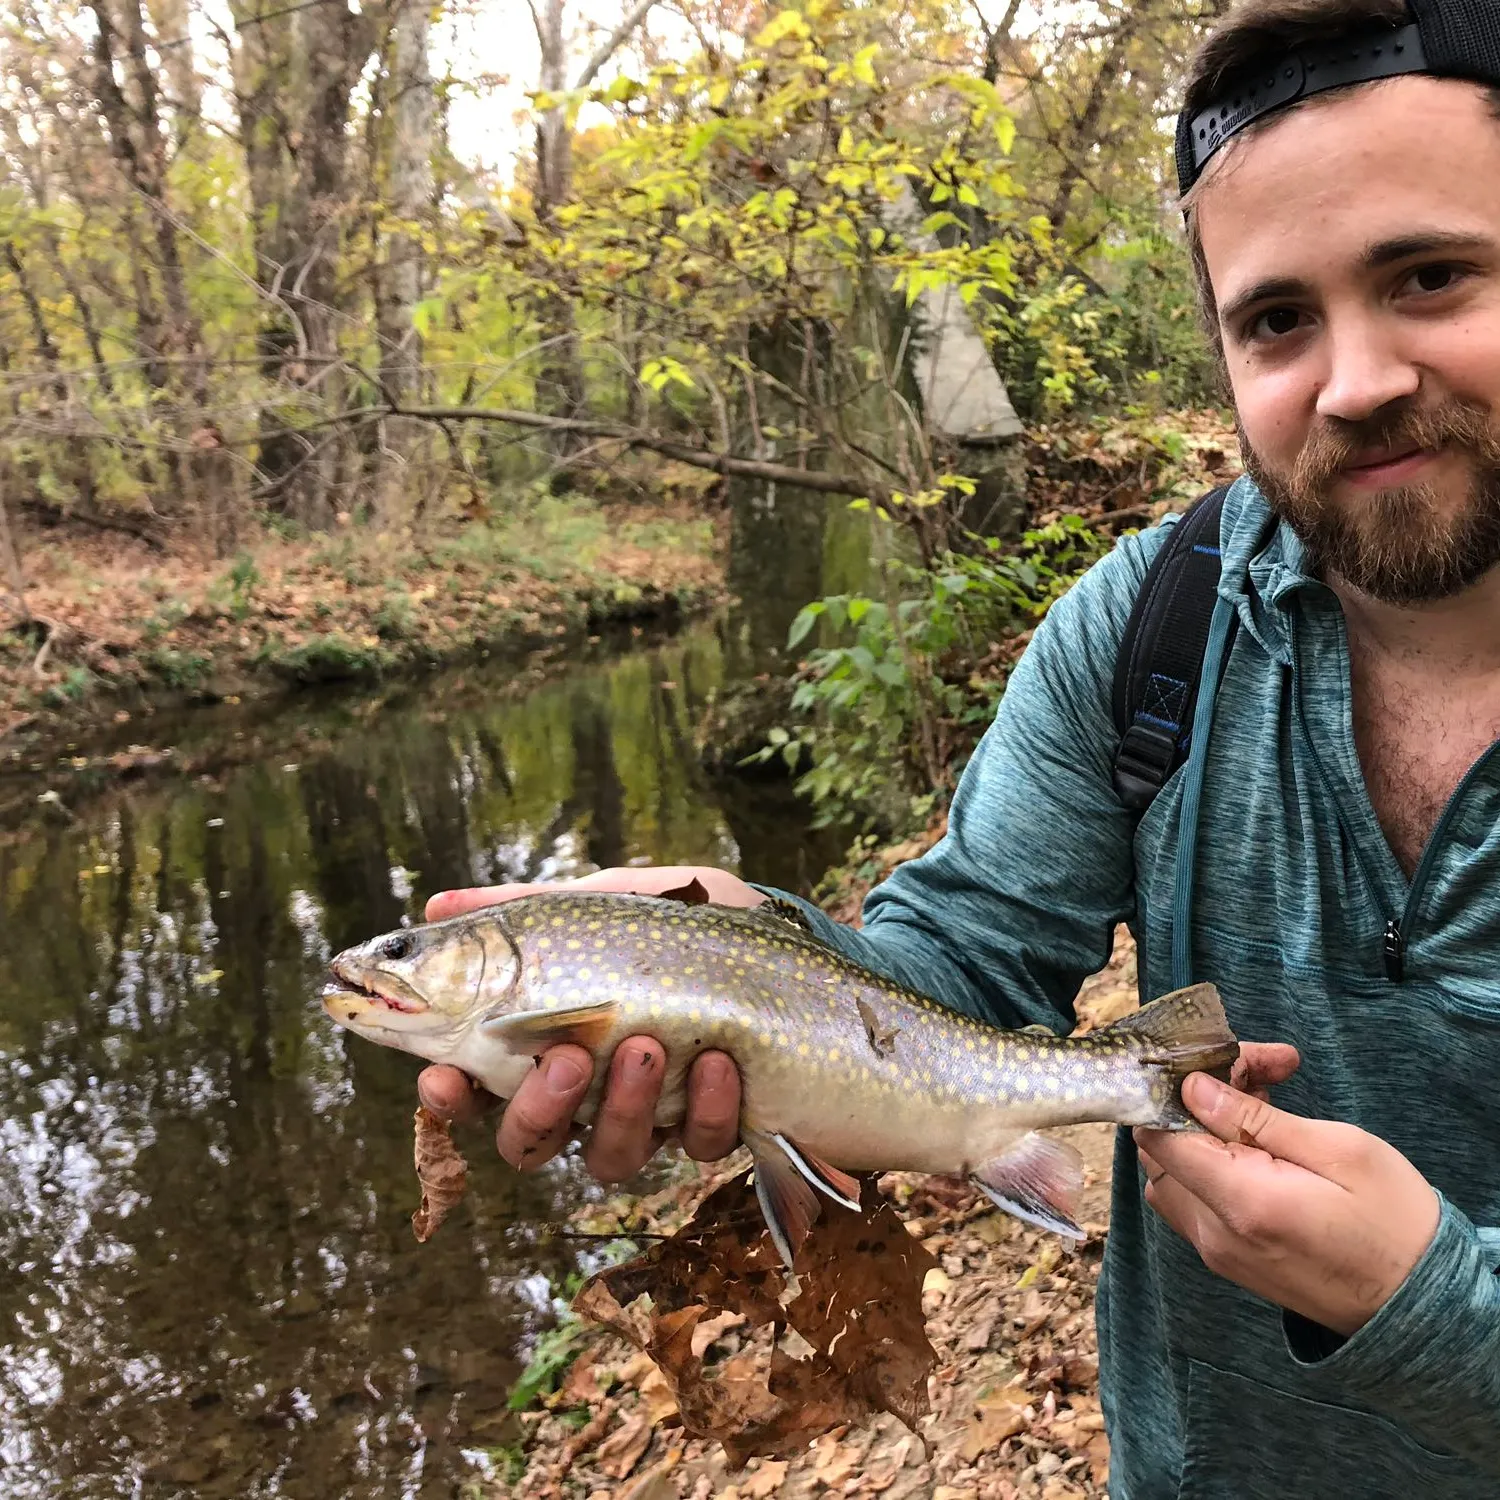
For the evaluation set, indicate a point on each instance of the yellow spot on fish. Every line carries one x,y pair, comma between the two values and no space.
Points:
632,927
574,944
833,1056
803,1049
969,1045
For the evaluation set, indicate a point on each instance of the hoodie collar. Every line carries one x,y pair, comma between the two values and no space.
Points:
1263,564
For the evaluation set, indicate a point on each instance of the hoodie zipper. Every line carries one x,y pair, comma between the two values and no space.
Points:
1396,937
1398,929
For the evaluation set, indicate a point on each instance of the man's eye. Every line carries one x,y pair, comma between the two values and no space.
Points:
1276,323
1435,278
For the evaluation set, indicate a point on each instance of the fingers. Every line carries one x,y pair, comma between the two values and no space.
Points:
451,1095
712,1128
650,880
447,904
537,1121
623,1138
1262,1065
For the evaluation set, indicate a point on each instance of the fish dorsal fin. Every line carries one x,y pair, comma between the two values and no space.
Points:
788,911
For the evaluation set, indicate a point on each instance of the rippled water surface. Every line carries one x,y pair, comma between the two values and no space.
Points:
211,1287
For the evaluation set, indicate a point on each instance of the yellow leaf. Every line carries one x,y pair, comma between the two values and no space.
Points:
788,23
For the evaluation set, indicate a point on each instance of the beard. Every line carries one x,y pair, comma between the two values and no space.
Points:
1406,545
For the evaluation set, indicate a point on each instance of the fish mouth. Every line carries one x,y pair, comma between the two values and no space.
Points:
357,992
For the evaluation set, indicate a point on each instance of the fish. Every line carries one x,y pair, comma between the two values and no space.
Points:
842,1070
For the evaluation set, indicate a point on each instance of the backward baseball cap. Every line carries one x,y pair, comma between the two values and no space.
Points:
1444,39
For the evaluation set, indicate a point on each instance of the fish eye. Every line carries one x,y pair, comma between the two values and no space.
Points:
396,947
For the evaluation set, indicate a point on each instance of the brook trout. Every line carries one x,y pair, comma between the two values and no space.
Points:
842,1070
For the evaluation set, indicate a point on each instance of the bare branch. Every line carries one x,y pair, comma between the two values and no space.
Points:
614,41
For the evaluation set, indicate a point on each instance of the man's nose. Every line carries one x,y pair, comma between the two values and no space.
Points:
1367,369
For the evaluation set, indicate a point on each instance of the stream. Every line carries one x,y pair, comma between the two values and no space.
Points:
212,1288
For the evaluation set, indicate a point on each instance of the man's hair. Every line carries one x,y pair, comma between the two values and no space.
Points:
1253,34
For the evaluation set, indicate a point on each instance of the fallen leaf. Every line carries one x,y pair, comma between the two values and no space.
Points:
581,1386
710,1329
765,1481
657,1393
1098,1456
858,1308
990,1427
441,1171
622,1450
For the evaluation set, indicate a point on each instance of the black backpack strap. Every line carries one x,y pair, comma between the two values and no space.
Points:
1161,654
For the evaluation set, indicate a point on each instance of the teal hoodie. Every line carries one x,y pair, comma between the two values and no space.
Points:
1209,1392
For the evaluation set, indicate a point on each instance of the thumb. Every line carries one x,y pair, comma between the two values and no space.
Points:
1245,1120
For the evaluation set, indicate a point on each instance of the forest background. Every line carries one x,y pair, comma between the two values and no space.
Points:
264,308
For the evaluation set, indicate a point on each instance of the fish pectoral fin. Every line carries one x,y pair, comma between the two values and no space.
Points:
788,1205
524,1031
1038,1180
839,1186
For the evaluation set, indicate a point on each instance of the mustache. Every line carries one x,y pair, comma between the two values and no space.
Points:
1334,443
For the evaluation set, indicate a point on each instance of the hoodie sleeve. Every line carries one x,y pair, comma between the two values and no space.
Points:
1430,1358
1006,916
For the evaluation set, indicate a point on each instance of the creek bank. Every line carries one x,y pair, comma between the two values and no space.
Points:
113,631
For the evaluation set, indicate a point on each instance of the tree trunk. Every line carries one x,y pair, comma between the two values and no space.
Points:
139,145
406,470
559,378
294,74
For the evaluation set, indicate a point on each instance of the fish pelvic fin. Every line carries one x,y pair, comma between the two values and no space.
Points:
828,1180
787,1202
1183,1032
1037,1179
526,1031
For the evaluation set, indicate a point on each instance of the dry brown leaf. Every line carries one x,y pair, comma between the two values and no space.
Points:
441,1171
658,1396
858,1308
991,1425
622,1450
765,1481
711,1328
581,1386
1098,1455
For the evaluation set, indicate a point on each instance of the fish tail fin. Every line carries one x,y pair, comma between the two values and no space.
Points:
1183,1032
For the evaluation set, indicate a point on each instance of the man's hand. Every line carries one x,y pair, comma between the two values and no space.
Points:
538,1121
1321,1218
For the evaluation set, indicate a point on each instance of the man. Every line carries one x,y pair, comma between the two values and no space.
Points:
1301,1302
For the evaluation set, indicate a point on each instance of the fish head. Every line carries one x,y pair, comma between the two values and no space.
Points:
422,988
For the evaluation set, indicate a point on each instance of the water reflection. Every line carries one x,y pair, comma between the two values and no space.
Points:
204,1188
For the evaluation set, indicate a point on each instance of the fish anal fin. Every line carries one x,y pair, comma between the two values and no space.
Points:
839,1186
523,1031
1037,1179
787,1203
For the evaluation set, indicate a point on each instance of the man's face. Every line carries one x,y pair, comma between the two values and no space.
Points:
1354,251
